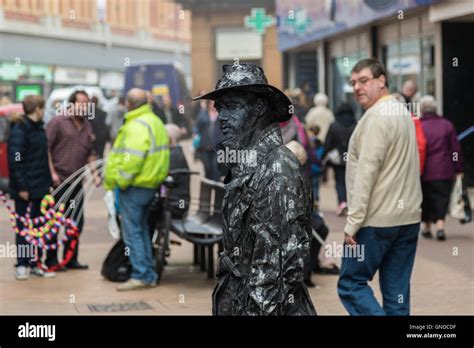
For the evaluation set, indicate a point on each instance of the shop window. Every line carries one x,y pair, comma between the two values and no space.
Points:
428,69
391,54
306,69
341,73
411,59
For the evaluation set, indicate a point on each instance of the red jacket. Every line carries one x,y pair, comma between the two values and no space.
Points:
421,140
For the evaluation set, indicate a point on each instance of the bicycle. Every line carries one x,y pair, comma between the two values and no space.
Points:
161,230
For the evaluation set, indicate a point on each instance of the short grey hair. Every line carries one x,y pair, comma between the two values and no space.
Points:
320,99
428,104
136,97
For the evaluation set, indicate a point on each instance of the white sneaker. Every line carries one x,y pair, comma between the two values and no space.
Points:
21,273
135,284
36,271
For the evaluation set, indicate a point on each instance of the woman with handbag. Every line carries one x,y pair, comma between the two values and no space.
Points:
443,163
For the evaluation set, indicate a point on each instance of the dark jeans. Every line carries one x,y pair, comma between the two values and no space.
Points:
340,176
27,260
315,187
77,202
391,251
211,166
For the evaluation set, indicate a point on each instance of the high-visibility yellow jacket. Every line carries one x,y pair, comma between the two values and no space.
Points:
140,154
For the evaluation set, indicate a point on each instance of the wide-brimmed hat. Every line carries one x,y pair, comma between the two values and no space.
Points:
251,78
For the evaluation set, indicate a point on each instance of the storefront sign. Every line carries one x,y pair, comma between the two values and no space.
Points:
22,90
404,66
238,43
76,76
258,20
11,71
323,18
111,80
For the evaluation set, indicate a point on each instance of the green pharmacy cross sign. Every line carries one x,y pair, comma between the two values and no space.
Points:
299,20
258,20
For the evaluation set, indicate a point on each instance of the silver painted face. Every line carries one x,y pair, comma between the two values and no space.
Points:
235,114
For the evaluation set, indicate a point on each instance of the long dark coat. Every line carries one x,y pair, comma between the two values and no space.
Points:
267,230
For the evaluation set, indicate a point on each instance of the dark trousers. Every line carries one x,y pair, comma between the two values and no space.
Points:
340,176
211,166
436,196
26,258
76,203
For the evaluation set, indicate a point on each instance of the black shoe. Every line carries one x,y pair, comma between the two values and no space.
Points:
427,234
440,235
76,265
309,283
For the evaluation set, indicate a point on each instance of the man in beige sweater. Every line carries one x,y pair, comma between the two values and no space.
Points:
384,199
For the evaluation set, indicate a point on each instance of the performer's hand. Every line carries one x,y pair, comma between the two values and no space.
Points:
56,179
24,195
349,239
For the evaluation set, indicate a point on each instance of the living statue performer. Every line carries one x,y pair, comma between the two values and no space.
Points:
266,208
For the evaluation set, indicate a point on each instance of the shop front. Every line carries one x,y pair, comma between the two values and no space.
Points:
407,49
399,33
343,53
19,78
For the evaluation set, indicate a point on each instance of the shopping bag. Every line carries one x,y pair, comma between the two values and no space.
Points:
112,224
459,205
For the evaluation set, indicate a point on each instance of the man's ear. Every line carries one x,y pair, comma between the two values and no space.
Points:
261,107
383,79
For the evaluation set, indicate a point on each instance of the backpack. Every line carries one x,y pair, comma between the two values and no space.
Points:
117,266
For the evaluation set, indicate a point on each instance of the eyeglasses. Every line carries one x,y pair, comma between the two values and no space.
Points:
362,81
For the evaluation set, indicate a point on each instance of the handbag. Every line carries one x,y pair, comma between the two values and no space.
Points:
334,157
459,205
112,225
